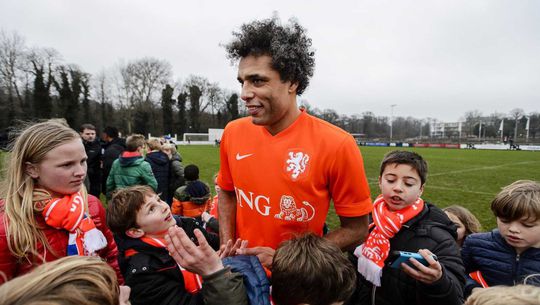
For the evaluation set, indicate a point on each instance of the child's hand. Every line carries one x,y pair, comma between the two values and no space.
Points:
201,259
427,275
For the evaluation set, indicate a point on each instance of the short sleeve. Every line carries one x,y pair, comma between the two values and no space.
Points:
348,182
224,179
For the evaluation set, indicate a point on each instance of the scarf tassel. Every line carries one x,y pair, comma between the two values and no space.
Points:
94,240
369,269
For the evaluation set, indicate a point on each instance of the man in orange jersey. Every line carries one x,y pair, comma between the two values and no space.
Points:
280,167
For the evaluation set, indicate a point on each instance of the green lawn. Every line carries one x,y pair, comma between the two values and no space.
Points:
467,177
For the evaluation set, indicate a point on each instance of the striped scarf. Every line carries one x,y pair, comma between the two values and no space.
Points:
386,223
69,213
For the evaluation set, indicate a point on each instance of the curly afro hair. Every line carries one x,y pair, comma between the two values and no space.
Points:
289,47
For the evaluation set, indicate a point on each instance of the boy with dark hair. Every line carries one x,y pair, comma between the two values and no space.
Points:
402,221
509,254
140,220
131,168
193,198
311,270
278,167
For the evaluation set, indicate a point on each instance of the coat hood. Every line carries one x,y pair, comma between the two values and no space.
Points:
157,157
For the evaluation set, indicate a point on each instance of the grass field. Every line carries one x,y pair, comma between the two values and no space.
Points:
467,177
470,178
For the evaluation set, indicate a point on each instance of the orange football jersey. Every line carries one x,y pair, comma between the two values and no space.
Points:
284,183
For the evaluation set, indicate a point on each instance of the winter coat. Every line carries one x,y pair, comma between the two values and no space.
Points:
192,199
111,151
155,278
58,240
93,152
128,170
159,161
176,175
498,262
432,230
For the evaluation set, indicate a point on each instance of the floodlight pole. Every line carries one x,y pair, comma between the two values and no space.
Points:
391,119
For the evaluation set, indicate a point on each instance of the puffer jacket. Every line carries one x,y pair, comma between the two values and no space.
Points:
130,169
58,241
498,262
160,163
432,230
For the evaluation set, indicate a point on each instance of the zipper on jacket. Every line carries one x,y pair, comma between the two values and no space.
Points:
516,270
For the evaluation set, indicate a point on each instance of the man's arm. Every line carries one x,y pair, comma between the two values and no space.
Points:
227,216
352,232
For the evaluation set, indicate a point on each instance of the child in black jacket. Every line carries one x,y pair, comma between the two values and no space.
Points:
402,221
140,220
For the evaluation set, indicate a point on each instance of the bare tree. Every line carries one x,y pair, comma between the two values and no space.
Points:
42,62
12,53
140,84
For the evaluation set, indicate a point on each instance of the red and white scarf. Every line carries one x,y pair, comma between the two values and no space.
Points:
69,213
386,223
192,281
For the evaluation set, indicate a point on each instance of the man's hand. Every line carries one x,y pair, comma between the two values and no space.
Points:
264,254
229,249
201,259
425,274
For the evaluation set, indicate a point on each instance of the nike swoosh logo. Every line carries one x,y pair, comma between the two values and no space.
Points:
240,157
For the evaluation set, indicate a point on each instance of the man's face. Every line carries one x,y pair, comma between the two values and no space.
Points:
270,102
88,135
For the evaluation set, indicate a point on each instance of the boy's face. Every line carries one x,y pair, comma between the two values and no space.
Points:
155,218
400,186
520,234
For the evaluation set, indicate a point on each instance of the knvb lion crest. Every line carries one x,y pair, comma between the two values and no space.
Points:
289,211
297,163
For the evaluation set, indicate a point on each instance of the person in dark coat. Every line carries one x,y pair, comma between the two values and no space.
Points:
402,221
176,170
160,163
93,152
112,147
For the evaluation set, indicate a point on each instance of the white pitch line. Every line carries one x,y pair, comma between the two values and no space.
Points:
481,168
428,186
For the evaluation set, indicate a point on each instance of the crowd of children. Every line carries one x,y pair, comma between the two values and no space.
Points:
160,237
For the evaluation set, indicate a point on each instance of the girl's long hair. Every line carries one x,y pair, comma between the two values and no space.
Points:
31,146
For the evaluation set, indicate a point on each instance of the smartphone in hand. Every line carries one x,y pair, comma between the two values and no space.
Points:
397,257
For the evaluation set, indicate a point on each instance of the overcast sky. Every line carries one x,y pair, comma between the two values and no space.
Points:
430,58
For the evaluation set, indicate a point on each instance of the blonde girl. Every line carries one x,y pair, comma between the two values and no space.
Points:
45,212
